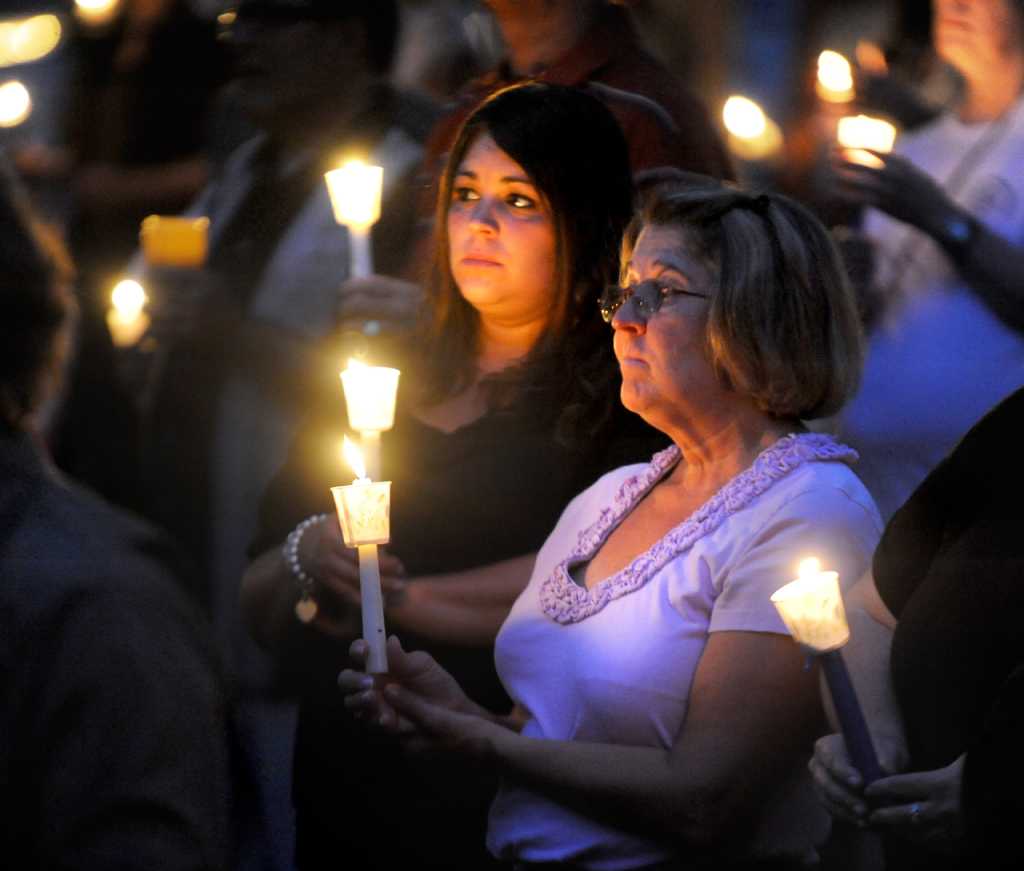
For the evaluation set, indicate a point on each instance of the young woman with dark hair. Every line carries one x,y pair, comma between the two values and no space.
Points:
508,407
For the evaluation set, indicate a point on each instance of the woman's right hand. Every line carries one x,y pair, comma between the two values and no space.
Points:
839,784
416,672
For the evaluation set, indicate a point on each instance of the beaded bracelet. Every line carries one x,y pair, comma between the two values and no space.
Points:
306,608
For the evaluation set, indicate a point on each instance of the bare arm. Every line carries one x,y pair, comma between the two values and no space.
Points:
466,607
753,713
990,264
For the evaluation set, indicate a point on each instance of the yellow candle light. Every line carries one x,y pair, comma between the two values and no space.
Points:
15,103
812,608
171,240
96,13
364,513
752,134
355,191
859,132
835,78
370,393
28,39
126,318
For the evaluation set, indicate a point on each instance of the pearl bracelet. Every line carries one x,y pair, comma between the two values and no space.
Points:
306,608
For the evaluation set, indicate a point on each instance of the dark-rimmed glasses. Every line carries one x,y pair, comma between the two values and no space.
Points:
649,295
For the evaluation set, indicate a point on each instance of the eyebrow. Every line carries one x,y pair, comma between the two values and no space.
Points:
506,178
666,265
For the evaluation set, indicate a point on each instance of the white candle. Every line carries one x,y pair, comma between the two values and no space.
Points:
355,192
364,513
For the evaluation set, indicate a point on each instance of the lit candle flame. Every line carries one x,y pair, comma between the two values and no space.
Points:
96,12
356,363
743,118
752,134
15,103
835,77
128,297
354,457
809,567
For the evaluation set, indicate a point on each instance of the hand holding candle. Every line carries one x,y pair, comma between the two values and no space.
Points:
364,512
355,191
812,609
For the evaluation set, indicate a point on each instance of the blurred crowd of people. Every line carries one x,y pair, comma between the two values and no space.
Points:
636,390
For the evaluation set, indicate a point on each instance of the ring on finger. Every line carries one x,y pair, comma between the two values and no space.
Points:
915,813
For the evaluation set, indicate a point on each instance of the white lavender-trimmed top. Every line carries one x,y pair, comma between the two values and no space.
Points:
565,601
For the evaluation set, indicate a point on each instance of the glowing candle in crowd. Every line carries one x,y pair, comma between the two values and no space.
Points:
126,319
370,393
96,13
860,132
355,191
835,78
812,609
28,39
15,103
169,240
752,134
364,513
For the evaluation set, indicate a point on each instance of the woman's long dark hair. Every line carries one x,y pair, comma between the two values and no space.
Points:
574,152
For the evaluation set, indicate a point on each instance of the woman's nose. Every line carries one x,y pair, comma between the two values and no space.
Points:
628,317
482,217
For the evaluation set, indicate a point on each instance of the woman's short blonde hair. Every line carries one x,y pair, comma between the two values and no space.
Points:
783,326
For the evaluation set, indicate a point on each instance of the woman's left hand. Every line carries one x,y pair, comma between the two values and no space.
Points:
923,807
442,731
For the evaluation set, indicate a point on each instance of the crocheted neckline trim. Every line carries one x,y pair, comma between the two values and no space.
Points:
565,601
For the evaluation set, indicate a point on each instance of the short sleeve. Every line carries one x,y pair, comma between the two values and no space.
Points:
828,523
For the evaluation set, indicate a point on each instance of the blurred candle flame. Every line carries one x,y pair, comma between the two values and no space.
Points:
96,12
128,297
15,103
354,457
809,567
28,39
743,118
752,134
835,77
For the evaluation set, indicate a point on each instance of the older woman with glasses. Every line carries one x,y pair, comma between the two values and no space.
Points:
661,715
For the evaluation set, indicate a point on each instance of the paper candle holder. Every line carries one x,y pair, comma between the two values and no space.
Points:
355,192
364,511
370,396
170,240
812,609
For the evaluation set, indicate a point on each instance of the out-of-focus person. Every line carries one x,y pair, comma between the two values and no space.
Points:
575,43
947,227
506,410
113,737
936,656
239,353
662,715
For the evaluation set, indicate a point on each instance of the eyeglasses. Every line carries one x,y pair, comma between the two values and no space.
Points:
649,296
